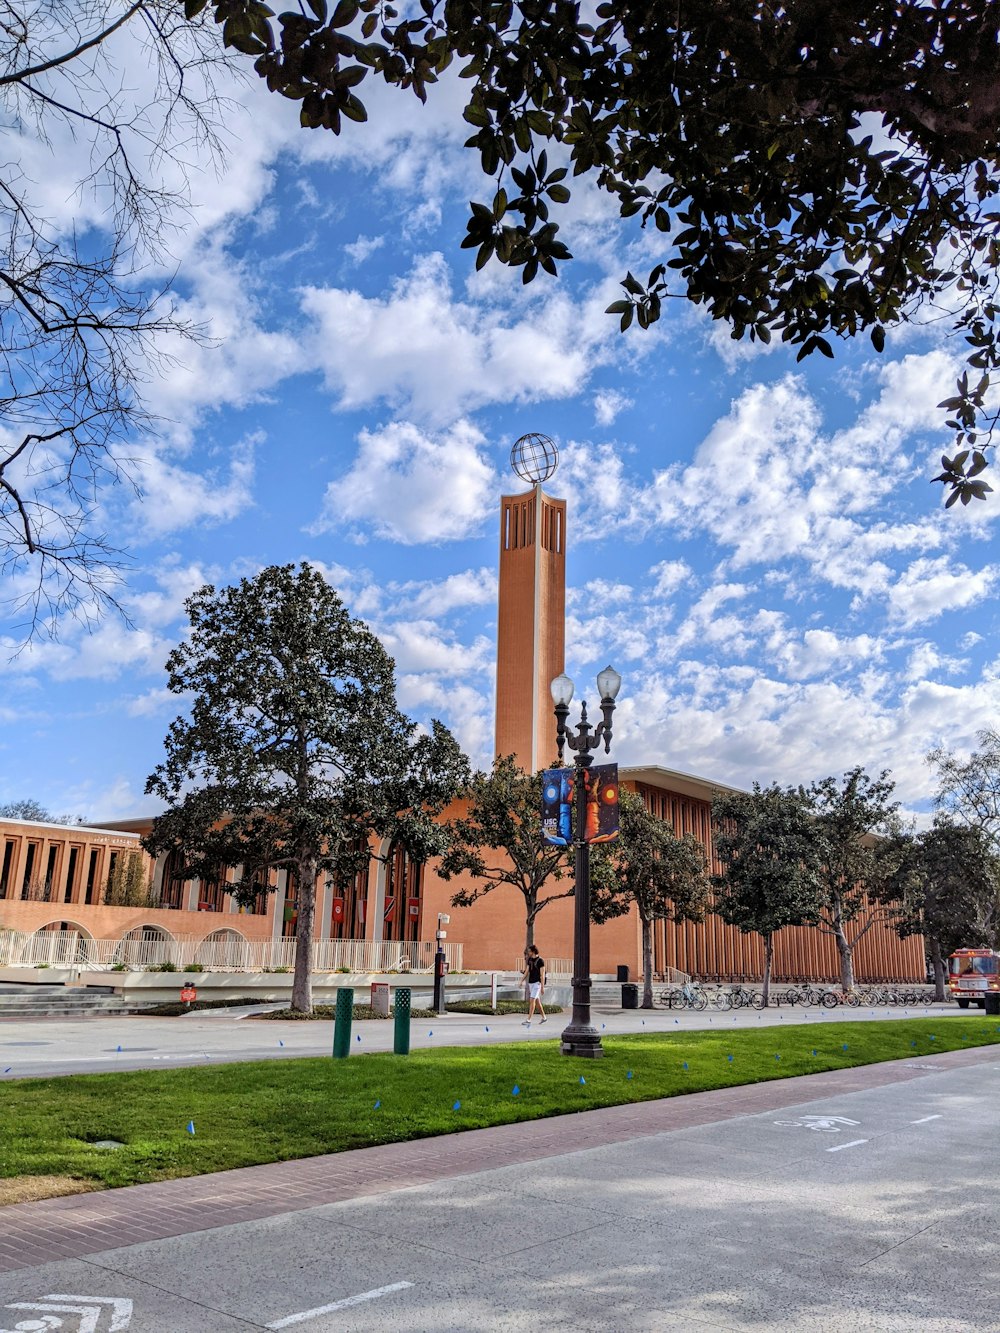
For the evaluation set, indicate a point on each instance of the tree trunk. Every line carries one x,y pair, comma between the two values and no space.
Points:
302,983
846,951
940,970
647,964
768,960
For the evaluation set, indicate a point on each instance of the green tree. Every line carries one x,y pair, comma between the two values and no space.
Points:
812,172
294,754
666,877
128,882
498,841
766,843
856,831
946,885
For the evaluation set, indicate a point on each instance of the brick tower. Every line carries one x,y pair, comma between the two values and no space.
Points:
531,634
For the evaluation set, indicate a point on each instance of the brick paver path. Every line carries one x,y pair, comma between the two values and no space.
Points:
82,1224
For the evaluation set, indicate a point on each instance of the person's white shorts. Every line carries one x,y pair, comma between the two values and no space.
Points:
534,990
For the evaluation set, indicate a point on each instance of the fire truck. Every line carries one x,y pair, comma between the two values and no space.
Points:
973,974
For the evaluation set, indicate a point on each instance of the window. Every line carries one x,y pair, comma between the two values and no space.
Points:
401,911
290,917
8,859
213,892
350,905
27,883
95,857
71,869
172,884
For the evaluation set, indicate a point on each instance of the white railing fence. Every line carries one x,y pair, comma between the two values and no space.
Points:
225,954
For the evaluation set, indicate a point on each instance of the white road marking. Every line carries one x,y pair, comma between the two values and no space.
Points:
854,1143
90,1313
830,1124
925,1120
338,1305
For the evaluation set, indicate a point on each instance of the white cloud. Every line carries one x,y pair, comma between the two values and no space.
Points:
176,497
608,403
418,347
931,586
471,587
364,247
410,486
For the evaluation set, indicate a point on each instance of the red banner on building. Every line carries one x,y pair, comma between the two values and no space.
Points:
362,909
413,908
338,910
390,909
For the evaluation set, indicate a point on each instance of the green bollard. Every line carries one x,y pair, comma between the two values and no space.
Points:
401,1018
342,1022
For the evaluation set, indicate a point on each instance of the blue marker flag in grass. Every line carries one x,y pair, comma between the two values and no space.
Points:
844,1047
685,1064
582,1079
777,1057
729,1058
913,1043
814,1051
933,1038
629,1074
190,1127
515,1091
457,1106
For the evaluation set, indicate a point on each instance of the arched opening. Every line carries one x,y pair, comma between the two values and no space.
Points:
222,950
145,946
57,943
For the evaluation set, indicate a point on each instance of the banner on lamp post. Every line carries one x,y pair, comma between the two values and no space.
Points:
558,792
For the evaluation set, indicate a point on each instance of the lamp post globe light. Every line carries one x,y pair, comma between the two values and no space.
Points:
581,1037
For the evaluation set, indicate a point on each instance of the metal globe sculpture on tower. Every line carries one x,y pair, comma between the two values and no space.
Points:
534,458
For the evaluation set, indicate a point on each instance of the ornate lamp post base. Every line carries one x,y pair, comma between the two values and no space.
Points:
581,1041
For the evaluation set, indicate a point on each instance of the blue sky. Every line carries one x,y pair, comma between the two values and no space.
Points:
755,545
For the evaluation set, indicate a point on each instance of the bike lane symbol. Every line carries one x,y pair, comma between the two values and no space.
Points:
88,1309
824,1124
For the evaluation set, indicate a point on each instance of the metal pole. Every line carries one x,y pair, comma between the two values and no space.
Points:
401,1021
342,1022
581,1037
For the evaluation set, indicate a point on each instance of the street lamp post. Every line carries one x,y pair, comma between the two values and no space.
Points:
440,963
581,1037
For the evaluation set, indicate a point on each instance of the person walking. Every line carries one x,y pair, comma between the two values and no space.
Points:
534,975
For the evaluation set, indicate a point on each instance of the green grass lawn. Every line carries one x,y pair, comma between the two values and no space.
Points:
267,1111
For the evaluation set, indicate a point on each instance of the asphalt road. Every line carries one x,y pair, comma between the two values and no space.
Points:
32,1047
870,1212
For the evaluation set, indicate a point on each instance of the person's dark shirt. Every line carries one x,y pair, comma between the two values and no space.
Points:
535,965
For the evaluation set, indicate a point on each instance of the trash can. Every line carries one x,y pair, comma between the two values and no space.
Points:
993,1006
623,971
630,996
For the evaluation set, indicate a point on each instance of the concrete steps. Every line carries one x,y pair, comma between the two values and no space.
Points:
45,1001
